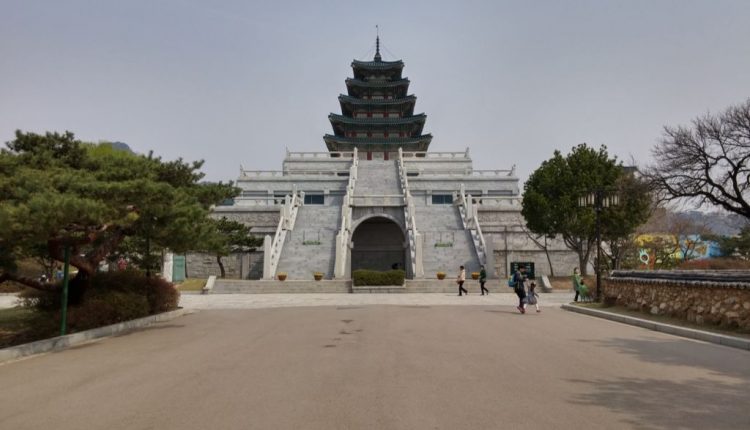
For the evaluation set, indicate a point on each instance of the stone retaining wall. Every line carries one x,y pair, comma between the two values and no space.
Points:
680,295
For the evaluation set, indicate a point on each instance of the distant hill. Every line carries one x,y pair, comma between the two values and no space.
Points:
122,146
719,223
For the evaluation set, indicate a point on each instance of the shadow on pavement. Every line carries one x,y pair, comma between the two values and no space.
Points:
717,359
148,328
663,404
698,403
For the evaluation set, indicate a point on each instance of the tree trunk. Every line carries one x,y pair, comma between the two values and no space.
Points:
549,260
221,266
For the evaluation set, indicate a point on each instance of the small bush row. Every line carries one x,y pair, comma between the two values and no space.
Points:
374,277
108,298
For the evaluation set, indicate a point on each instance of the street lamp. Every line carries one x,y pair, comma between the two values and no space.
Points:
598,199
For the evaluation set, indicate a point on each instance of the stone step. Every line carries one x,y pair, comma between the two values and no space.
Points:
235,286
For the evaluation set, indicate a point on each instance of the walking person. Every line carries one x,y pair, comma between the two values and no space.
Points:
460,281
576,283
532,297
483,280
519,278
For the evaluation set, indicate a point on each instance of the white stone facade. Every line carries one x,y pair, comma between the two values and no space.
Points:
412,190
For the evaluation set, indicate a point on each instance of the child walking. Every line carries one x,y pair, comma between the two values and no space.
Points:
532,297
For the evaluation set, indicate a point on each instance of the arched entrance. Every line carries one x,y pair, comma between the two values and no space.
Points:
378,244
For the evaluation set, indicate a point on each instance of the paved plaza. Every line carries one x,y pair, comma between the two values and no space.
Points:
415,363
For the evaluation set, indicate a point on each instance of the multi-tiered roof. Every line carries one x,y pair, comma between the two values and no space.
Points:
377,114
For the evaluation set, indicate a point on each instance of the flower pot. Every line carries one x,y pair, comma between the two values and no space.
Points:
318,276
281,276
475,275
440,275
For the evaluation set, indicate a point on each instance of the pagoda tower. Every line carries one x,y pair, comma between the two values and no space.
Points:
377,113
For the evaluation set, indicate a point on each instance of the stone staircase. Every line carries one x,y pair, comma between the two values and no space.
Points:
237,286
377,177
441,224
315,223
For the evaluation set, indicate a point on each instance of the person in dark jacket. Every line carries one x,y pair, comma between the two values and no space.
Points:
519,278
483,280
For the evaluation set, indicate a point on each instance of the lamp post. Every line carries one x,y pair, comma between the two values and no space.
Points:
598,199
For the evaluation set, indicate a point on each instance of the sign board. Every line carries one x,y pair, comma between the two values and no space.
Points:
527,264
178,268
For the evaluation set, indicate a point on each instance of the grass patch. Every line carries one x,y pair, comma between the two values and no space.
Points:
666,320
21,325
192,284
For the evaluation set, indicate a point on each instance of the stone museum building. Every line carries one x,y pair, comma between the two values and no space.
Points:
378,198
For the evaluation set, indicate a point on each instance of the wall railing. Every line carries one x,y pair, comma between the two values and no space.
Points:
470,219
345,230
272,247
415,241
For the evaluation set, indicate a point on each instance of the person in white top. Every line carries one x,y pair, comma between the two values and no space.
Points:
460,281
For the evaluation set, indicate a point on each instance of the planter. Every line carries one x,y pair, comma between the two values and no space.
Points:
317,276
281,276
475,275
441,275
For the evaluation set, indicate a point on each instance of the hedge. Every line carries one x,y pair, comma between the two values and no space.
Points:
374,277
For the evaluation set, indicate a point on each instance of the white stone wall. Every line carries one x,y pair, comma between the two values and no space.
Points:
237,266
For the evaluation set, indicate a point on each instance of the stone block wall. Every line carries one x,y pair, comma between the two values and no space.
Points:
237,266
702,302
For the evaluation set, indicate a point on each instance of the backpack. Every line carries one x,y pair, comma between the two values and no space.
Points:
511,282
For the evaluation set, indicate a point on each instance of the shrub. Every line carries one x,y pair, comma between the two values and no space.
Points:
109,297
374,277
162,296
107,307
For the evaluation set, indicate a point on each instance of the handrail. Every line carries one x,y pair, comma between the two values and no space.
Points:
272,250
507,201
336,155
288,172
342,238
433,155
470,218
415,246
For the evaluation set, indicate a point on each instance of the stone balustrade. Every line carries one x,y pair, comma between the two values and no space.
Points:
336,155
703,297
470,219
414,238
272,246
263,174
345,230
433,155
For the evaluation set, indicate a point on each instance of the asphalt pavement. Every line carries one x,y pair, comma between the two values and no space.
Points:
398,366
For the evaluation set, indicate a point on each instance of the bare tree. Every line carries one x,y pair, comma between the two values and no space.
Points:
539,240
708,162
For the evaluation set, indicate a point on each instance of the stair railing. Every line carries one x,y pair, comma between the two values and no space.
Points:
470,218
272,247
345,230
415,242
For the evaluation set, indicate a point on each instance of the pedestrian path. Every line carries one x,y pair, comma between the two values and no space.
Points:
258,301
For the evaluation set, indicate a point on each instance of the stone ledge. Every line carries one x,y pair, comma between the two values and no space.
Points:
682,282
719,339
60,343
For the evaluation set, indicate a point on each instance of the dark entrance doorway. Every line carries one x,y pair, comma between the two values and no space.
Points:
378,245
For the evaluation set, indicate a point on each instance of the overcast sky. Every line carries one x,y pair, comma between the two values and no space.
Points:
235,82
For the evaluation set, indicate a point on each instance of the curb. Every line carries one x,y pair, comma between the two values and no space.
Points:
719,339
60,343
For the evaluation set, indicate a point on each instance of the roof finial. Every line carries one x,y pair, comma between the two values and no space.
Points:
377,44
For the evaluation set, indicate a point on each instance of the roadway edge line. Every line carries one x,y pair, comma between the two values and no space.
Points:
719,339
60,343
